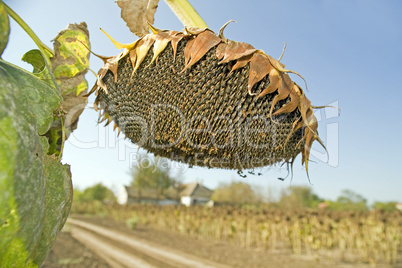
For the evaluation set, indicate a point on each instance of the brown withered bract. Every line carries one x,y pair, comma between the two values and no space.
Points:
201,99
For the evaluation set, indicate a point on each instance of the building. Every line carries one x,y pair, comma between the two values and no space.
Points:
132,195
194,194
187,194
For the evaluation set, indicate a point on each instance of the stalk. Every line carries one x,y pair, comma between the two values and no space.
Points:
186,13
63,137
46,51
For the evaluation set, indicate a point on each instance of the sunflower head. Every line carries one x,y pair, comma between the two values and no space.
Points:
199,98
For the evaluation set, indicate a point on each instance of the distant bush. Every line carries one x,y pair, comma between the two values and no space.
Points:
238,193
388,206
349,201
132,222
97,192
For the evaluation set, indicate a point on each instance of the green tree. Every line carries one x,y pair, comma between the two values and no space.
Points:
349,200
98,192
77,195
235,193
299,197
152,173
387,206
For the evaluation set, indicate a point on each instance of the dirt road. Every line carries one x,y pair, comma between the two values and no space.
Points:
101,242
122,250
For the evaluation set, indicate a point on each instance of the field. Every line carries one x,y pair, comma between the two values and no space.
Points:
73,250
372,238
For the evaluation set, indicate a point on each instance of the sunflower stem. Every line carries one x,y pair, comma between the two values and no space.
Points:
63,137
186,13
46,51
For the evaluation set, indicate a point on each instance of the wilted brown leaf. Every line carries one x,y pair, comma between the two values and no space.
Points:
234,50
142,49
259,68
289,107
70,63
137,14
176,37
202,44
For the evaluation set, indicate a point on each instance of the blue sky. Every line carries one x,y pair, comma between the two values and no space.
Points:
348,51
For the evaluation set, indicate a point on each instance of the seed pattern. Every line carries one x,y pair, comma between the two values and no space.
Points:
203,116
199,98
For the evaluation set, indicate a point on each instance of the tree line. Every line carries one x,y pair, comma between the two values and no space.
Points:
156,174
295,197
244,194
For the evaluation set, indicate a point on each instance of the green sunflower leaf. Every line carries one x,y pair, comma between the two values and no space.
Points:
35,188
4,27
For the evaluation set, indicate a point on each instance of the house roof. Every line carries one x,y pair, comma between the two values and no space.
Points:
135,193
189,189
196,190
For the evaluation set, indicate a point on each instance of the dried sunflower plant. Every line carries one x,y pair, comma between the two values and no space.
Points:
196,97
192,96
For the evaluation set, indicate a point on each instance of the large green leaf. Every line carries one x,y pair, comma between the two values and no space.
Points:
42,98
58,200
35,188
20,174
4,27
